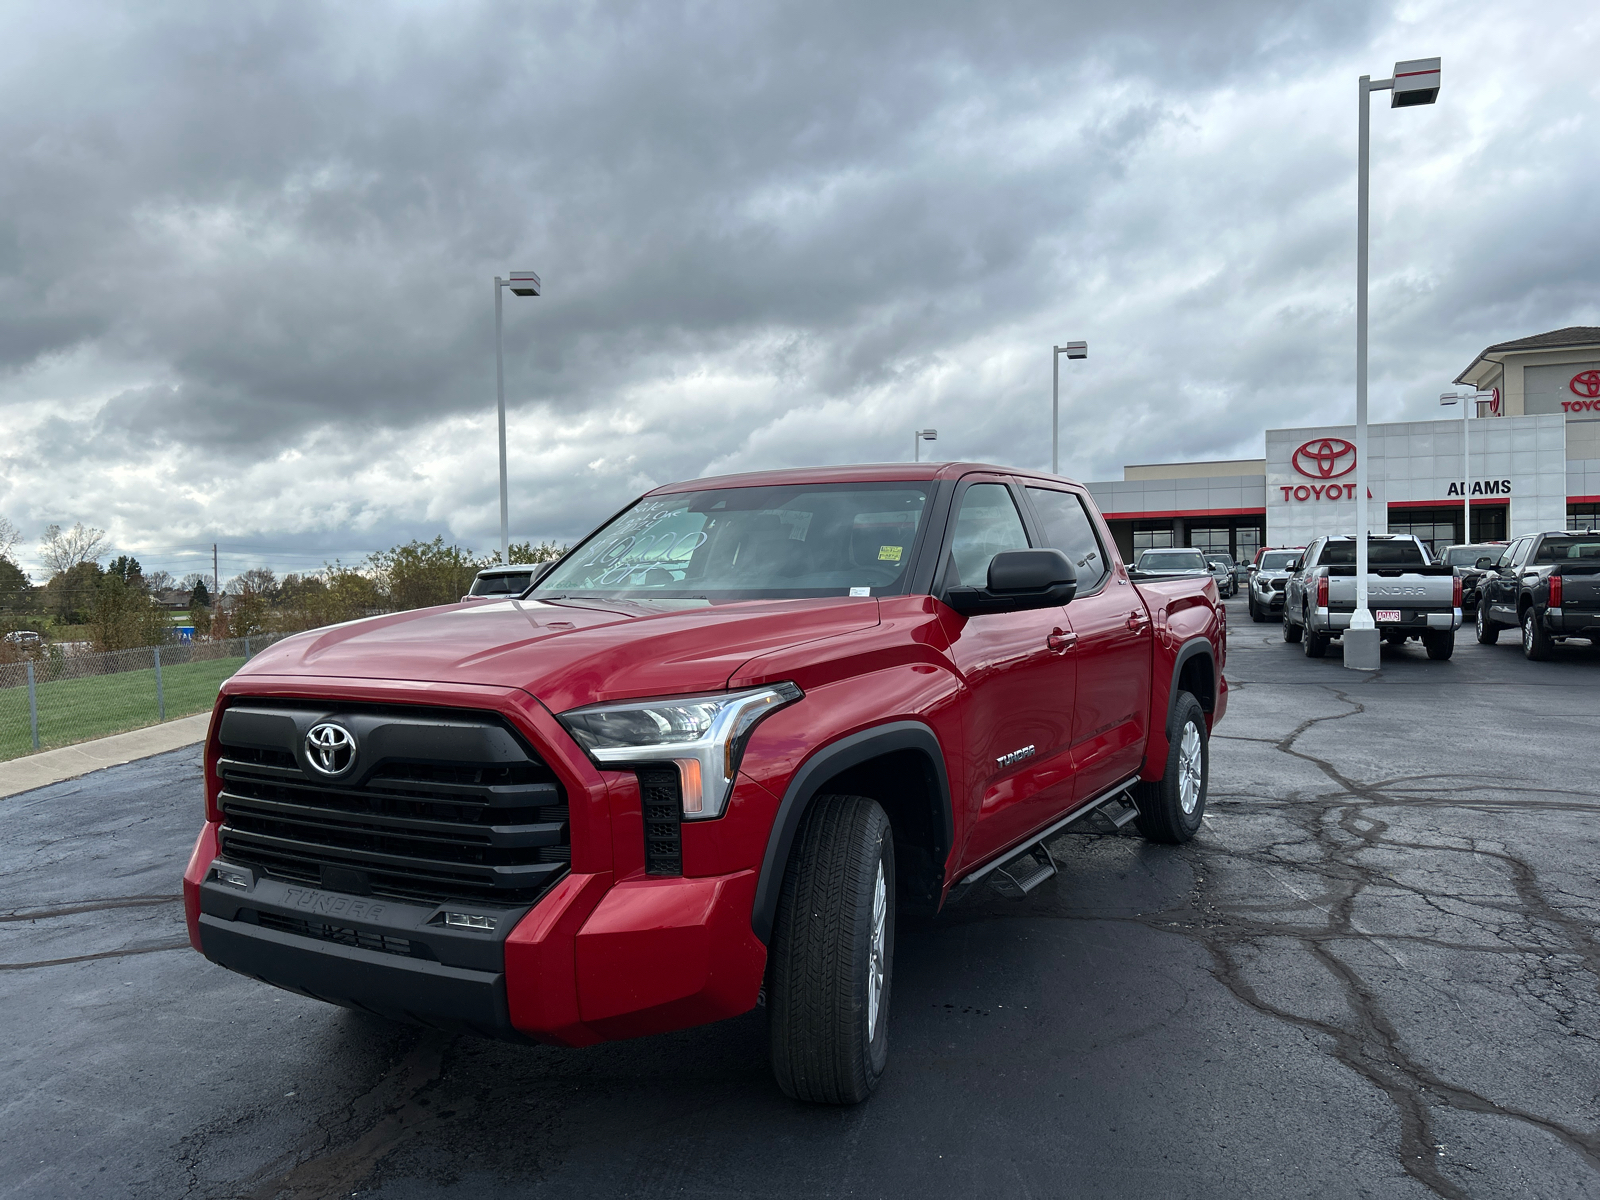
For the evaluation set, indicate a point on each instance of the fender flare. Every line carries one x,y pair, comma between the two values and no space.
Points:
849,751
1195,647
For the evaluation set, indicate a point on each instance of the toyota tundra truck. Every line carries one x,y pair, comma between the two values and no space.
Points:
1408,596
703,761
1548,585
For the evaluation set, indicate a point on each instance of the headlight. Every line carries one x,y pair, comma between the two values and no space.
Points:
703,735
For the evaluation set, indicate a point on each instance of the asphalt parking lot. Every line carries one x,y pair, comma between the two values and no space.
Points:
1373,974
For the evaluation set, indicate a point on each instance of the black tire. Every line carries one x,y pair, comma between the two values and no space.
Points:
1536,644
1316,644
1488,630
1255,613
826,1046
1162,817
1291,631
1440,645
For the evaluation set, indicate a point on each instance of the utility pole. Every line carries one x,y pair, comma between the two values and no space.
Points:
216,583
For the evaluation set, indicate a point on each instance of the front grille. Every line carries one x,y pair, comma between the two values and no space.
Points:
343,935
1279,584
659,795
443,805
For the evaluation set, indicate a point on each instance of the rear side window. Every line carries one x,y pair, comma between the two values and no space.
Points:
987,524
1067,527
1569,549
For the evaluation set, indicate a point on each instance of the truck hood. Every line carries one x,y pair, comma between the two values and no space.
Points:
566,653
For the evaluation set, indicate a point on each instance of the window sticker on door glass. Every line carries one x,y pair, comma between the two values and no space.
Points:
889,553
861,591
798,523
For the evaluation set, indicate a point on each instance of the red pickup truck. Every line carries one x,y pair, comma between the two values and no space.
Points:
703,761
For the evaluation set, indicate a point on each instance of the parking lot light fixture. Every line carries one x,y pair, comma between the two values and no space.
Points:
922,435
1071,350
521,283
1414,82
1449,398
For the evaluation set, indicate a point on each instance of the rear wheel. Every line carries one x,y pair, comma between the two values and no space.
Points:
1171,808
1488,629
1316,644
1440,644
1291,631
832,954
1535,641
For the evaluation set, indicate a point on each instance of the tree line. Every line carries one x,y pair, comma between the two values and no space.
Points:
120,606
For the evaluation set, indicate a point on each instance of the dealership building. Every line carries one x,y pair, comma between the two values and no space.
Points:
1534,464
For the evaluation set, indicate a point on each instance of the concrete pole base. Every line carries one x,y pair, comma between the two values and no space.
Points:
1362,649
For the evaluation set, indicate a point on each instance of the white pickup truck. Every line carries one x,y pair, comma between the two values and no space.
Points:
1409,597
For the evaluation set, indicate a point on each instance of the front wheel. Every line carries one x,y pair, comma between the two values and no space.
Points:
1255,613
832,956
1170,808
1535,641
1488,630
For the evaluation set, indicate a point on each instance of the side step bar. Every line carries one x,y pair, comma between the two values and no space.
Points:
1023,868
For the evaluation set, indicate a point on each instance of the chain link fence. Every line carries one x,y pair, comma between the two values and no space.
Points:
57,698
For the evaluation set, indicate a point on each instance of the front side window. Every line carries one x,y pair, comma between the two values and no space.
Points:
987,524
1067,527
747,543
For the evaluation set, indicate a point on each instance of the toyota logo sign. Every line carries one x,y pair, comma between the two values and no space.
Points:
1585,383
330,748
1321,458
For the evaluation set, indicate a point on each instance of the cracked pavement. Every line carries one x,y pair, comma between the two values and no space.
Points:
1376,972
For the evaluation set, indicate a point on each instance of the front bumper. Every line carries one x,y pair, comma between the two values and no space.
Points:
1267,601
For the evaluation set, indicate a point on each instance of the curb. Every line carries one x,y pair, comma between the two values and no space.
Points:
69,762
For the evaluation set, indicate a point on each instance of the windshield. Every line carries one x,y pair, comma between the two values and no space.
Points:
1278,560
1172,560
750,543
1379,554
1569,549
1466,556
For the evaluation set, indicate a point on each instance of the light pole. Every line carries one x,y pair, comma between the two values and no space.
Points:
1071,350
1414,82
922,435
521,283
1449,398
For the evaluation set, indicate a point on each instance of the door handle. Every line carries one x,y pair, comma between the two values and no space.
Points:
1060,640
1137,620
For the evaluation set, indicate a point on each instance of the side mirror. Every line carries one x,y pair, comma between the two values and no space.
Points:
1019,580
1486,563
1294,566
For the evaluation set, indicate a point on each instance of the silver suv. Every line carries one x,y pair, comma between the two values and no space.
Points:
1269,575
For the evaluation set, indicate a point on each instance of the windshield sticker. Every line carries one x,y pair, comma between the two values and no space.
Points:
860,591
799,523
889,553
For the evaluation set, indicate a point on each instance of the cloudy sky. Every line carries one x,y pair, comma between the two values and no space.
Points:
246,250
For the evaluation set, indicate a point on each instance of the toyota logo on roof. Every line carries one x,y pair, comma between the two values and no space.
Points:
1320,458
330,748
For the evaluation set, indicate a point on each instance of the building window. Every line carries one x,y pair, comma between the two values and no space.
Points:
1157,537
1441,527
1583,516
1248,540
1211,540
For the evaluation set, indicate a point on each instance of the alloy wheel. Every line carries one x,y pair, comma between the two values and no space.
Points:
1189,769
876,967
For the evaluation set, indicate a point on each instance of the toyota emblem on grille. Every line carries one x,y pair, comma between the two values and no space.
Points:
330,748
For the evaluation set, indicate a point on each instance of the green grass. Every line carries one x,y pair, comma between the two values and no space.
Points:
75,710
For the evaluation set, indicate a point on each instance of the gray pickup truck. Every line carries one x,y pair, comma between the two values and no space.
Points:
1408,595
1546,583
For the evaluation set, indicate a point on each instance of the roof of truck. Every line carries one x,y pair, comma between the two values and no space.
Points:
857,473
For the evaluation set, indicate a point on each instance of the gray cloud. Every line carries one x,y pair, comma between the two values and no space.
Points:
245,251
